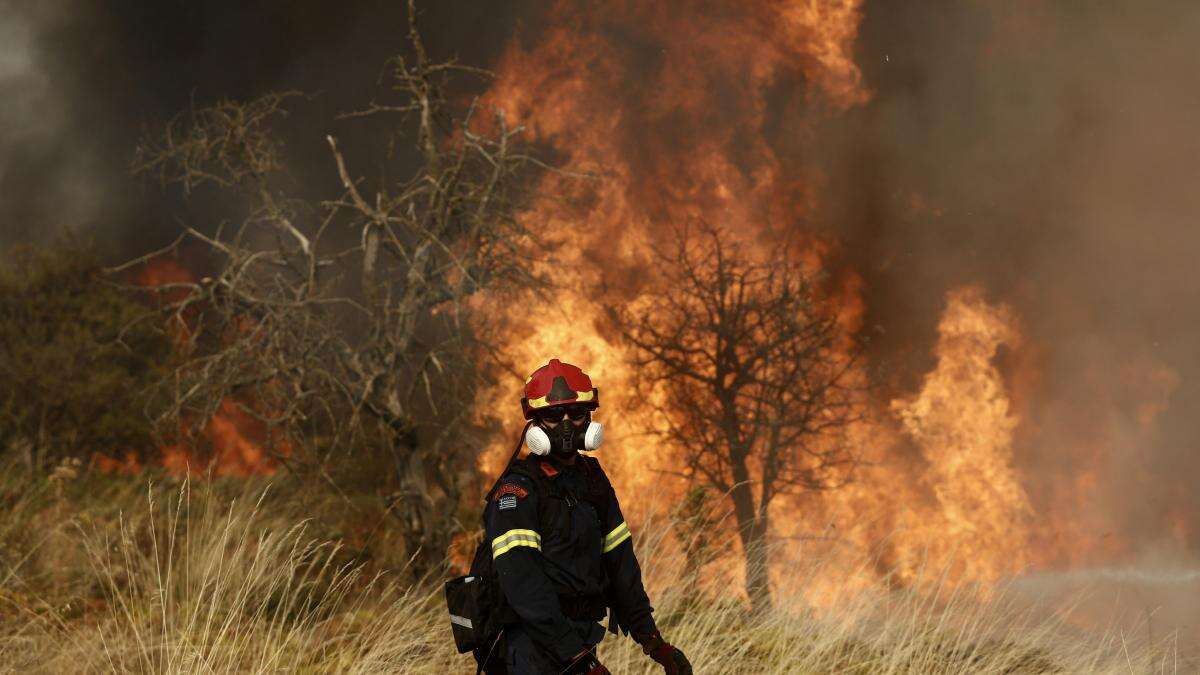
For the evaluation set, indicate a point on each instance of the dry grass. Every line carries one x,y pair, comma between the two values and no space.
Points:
102,574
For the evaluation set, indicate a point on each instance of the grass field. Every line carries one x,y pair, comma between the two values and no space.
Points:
101,573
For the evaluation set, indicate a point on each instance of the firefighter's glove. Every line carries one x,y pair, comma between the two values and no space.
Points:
586,663
669,657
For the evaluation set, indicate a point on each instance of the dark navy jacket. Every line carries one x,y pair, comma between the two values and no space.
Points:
563,552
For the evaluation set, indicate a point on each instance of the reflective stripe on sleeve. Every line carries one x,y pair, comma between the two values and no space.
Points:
514,538
613,539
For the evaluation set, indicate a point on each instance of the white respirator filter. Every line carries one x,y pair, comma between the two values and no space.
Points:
537,441
594,436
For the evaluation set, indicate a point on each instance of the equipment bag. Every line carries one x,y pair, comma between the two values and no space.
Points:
463,600
476,603
478,613
478,610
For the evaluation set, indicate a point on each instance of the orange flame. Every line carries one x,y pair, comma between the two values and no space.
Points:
962,422
237,441
238,447
675,130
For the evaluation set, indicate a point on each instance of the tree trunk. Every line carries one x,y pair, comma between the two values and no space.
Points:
424,511
752,530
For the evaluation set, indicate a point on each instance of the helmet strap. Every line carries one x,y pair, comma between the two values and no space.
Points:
512,458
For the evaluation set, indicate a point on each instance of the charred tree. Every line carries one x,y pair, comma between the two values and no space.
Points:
756,376
342,320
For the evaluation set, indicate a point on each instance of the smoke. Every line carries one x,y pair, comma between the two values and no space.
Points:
82,83
1045,152
1048,152
42,169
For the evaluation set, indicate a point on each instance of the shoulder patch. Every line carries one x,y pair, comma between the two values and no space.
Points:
517,491
507,502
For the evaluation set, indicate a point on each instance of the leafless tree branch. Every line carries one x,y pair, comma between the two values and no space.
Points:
758,377
339,321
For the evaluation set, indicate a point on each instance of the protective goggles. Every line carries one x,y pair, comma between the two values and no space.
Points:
554,415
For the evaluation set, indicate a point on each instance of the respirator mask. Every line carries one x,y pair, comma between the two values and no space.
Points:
564,429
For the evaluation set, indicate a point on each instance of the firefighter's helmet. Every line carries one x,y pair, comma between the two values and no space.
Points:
558,383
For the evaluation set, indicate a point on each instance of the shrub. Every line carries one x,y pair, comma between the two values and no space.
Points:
74,357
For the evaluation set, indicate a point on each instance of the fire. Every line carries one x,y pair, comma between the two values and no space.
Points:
825,32
677,130
239,446
235,443
963,424
685,111
672,133
939,499
163,273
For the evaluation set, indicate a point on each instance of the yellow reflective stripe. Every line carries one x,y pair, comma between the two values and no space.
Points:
613,539
496,553
514,538
511,535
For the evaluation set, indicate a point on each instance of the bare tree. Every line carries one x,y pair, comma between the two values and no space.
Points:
756,378
341,322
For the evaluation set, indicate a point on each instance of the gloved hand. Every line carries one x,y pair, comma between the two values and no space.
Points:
586,663
669,657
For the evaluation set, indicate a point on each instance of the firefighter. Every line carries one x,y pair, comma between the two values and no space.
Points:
560,546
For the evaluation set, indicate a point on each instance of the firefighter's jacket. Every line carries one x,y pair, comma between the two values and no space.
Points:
562,551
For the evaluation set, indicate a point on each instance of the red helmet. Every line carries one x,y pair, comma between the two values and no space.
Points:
558,383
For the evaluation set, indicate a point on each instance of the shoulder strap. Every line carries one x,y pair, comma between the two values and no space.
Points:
597,480
512,461
598,486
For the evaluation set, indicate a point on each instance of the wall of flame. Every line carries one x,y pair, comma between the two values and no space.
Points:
678,110
1001,195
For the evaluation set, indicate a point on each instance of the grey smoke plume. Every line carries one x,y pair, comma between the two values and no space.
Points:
1049,152
47,173
81,81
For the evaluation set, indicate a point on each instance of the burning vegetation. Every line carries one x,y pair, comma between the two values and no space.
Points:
714,118
643,188
685,139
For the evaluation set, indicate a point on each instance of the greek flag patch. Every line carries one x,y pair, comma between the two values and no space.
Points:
507,502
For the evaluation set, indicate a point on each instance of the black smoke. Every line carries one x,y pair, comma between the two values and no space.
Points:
83,82
1048,152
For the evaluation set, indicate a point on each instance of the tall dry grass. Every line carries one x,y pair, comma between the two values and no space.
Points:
103,574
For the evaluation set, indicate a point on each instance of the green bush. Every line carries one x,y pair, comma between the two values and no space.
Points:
76,354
